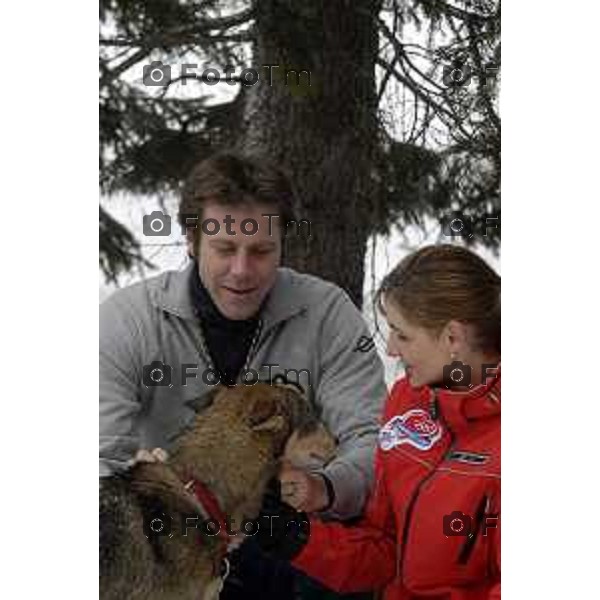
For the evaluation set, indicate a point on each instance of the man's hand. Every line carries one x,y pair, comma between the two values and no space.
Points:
155,455
283,530
303,491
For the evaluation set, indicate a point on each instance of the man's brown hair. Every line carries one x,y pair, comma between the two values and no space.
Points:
230,179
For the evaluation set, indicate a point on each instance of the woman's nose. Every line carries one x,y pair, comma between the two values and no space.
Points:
391,347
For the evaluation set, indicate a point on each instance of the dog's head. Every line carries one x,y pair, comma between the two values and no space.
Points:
280,413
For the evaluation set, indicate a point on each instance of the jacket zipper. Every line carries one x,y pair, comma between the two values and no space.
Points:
469,544
409,512
204,354
254,345
435,413
202,349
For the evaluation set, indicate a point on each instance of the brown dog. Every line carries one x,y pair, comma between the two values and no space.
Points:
151,547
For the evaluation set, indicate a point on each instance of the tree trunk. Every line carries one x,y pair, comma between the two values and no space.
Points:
324,134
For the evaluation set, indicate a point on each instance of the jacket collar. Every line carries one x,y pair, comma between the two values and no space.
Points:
458,409
172,294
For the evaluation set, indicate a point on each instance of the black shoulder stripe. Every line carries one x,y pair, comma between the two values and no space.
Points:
469,457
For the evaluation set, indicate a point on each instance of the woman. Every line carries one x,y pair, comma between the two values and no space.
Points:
431,527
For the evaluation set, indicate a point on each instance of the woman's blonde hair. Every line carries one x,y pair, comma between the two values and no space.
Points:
437,284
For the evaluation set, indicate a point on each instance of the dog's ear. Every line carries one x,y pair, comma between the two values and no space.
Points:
303,415
203,402
276,423
264,414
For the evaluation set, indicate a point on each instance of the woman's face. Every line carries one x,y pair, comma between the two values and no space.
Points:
423,354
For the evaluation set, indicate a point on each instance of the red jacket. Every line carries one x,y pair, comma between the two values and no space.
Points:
438,452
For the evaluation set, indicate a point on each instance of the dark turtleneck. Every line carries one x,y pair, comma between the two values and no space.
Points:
228,341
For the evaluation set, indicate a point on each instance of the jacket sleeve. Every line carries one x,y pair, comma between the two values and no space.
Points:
351,392
354,558
120,380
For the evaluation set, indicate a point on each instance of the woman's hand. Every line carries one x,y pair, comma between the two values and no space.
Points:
303,491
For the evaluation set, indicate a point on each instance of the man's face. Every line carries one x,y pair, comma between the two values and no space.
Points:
238,270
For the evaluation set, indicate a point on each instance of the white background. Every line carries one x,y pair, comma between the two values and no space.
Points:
49,154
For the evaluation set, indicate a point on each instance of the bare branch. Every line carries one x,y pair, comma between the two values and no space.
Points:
482,80
402,55
427,99
464,15
176,37
384,81
124,66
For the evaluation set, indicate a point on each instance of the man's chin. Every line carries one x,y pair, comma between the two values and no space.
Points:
237,312
239,316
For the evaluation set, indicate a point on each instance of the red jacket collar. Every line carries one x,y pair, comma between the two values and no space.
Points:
458,409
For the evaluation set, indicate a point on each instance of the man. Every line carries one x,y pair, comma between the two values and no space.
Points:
234,316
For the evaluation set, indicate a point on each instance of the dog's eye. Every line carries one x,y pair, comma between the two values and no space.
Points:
315,456
317,460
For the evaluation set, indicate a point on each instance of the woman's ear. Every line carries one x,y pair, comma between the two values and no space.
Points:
455,338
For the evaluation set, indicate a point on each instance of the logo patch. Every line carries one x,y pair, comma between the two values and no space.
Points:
364,344
414,427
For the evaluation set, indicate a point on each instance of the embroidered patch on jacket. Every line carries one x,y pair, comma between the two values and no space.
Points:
414,427
471,458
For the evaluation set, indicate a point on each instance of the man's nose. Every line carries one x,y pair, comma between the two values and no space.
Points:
240,264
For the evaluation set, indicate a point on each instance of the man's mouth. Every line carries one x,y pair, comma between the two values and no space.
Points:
239,291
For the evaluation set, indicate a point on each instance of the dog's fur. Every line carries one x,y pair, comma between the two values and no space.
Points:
233,447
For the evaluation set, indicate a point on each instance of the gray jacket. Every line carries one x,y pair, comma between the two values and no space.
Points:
308,326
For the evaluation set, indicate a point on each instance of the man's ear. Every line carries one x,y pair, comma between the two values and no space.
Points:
190,241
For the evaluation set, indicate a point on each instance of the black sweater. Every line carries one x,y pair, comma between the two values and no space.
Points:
228,341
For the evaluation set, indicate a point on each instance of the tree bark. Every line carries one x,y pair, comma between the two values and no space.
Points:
325,134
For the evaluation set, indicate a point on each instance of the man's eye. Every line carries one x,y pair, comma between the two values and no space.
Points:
225,251
263,251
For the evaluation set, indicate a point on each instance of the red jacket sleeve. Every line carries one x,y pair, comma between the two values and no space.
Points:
354,558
